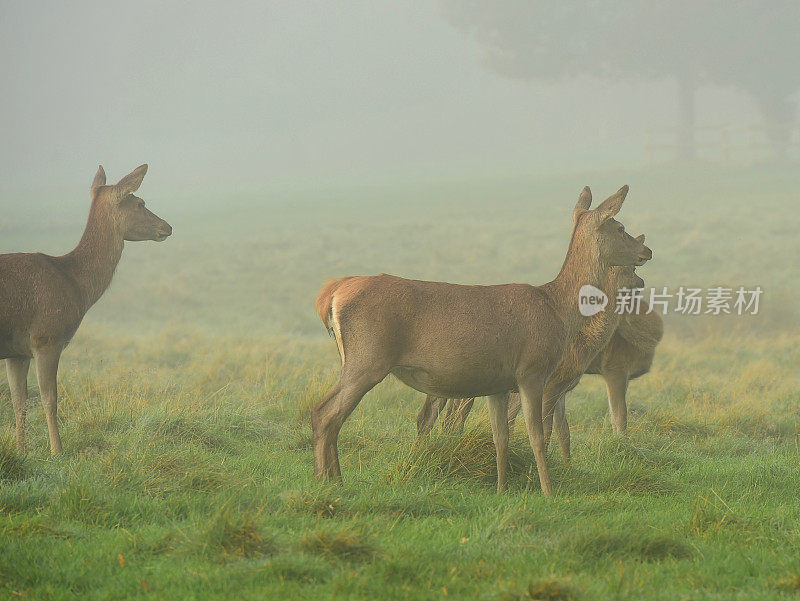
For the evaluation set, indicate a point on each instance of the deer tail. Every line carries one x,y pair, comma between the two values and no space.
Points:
325,300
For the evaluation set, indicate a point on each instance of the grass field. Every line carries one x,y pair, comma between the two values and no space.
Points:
185,402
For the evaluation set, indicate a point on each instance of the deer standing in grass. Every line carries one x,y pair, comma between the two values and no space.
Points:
627,356
618,347
43,299
459,341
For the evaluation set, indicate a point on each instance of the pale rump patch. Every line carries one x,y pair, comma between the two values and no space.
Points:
336,328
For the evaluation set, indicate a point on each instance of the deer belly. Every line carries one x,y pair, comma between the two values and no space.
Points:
14,343
6,349
467,384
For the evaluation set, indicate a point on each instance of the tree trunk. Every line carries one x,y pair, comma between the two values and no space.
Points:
777,111
686,117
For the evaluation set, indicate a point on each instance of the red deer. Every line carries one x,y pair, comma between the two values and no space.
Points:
459,341
596,333
627,355
43,299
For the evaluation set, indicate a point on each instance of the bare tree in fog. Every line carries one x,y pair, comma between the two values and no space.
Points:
747,44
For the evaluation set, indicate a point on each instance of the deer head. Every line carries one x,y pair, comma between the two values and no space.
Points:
132,220
626,276
604,237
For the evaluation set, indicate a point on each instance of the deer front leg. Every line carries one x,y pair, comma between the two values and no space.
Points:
428,415
562,427
47,374
617,385
17,369
457,412
531,399
498,417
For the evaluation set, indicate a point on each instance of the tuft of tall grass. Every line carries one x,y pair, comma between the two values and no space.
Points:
711,514
788,584
610,464
345,545
161,471
223,426
234,533
544,589
632,543
31,494
468,457
13,466
298,567
321,505
83,499
30,528
166,473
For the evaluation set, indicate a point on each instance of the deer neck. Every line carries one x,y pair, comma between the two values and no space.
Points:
92,263
598,329
581,266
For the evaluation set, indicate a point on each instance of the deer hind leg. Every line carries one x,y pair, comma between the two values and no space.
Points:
562,427
47,372
17,369
513,409
531,399
498,417
429,414
328,416
617,385
457,412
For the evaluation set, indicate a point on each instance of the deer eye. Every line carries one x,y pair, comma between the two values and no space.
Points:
141,205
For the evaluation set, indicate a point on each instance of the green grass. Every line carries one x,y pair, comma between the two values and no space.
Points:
185,398
205,491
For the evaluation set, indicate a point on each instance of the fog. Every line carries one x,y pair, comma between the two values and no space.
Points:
293,142
250,94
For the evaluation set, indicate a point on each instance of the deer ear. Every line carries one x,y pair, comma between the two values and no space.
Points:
99,180
611,205
640,238
131,182
583,204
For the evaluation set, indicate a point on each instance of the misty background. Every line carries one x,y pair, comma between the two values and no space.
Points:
264,92
289,142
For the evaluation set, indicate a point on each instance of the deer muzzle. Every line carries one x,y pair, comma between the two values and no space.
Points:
164,231
644,256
